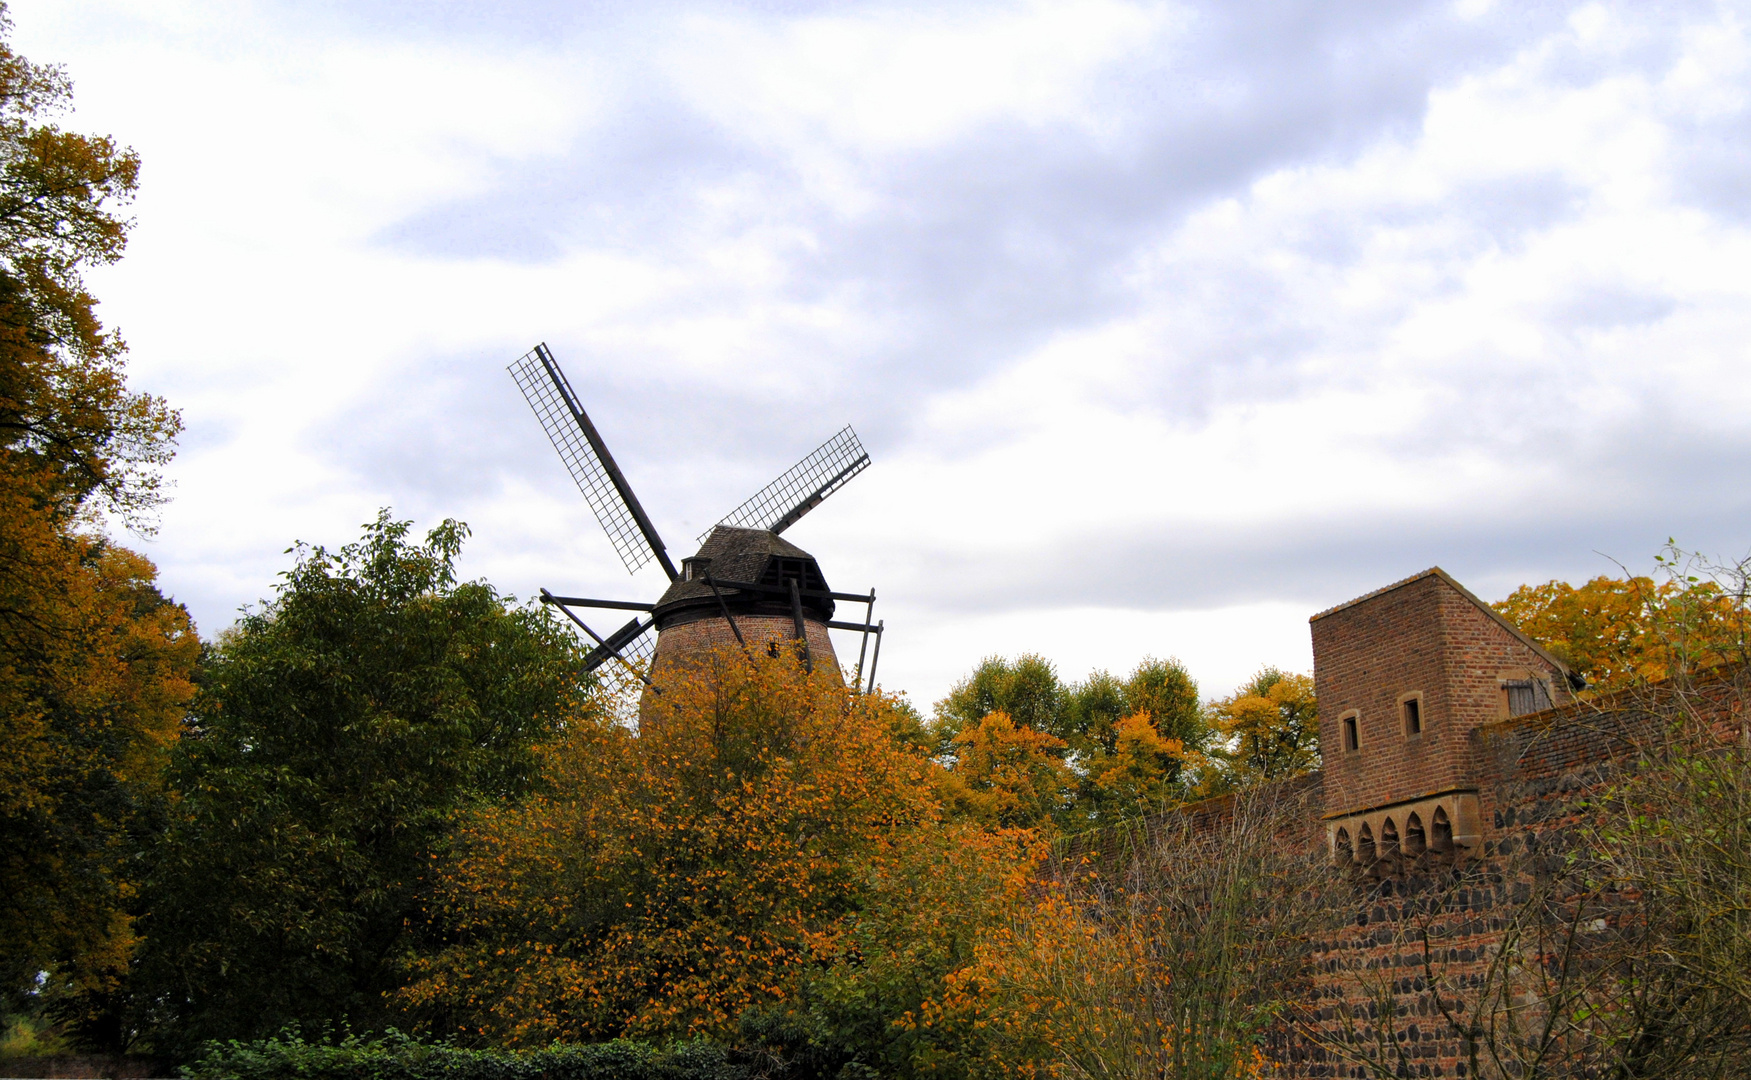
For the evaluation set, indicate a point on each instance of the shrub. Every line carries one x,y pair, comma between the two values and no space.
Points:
395,1056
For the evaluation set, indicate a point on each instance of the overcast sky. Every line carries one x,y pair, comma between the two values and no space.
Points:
1166,325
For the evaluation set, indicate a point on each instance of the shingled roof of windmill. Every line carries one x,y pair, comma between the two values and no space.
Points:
755,556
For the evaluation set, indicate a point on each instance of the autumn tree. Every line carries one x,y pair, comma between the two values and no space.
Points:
338,729
1026,689
1132,740
90,703
872,1004
1266,730
1006,775
665,883
95,663
1167,951
1635,630
1127,743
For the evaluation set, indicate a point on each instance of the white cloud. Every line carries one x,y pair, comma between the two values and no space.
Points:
1167,325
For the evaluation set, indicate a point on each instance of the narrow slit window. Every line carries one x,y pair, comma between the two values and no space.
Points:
1413,716
1351,739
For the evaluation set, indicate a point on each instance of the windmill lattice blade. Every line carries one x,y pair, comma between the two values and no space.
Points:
778,505
622,687
550,395
633,642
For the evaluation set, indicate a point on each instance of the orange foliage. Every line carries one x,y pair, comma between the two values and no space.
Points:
1622,632
1008,775
95,668
1057,992
667,881
1135,777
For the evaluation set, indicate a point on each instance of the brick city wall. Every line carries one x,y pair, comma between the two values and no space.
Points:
1523,784
1535,776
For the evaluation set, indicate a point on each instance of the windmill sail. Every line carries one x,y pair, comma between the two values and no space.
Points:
621,682
778,505
579,445
631,641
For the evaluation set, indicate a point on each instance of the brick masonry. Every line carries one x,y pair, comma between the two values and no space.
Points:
1533,776
1527,779
1425,639
761,632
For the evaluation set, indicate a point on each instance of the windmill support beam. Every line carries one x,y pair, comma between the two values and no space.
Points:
579,601
601,642
796,613
876,659
729,618
863,645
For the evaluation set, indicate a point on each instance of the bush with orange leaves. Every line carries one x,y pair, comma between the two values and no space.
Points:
668,881
1167,949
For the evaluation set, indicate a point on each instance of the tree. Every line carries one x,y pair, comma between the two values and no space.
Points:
667,883
1008,776
1167,951
1086,719
1027,690
95,663
69,426
870,1007
92,690
1140,774
1630,631
1269,729
337,731
1130,741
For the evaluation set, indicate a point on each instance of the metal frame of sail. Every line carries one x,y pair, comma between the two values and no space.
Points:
802,487
589,474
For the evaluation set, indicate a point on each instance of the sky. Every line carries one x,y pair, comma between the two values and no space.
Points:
1166,325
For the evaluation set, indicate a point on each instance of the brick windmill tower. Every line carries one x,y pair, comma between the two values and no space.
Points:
746,586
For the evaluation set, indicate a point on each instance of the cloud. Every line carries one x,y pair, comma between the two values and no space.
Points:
1165,324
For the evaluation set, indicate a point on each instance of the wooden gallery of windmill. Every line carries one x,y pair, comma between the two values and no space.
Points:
746,586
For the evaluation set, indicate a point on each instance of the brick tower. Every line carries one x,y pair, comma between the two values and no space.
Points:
1403,675
793,606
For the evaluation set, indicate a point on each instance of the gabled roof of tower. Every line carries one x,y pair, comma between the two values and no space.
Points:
1437,572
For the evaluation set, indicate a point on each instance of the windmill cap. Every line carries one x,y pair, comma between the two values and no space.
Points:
751,555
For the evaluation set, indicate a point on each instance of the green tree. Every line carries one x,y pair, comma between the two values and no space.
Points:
1027,690
1086,718
337,731
1130,765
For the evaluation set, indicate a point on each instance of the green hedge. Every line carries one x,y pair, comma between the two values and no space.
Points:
395,1056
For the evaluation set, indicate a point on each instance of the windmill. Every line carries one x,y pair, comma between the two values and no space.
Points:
746,583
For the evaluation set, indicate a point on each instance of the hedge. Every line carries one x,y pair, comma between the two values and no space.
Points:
395,1056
